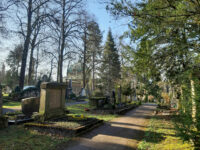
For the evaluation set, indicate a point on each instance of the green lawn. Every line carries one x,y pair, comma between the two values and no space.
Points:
18,138
80,109
12,104
5,95
161,135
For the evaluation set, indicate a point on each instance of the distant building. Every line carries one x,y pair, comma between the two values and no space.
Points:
74,73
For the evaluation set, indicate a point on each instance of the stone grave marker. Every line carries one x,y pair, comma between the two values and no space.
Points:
52,100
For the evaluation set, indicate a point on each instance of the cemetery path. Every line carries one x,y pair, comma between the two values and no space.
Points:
122,133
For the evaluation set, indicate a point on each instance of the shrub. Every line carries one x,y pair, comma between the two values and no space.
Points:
126,90
98,93
72,96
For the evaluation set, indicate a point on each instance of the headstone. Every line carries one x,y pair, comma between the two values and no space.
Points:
83,92
30,105
69,89
52,100
113,96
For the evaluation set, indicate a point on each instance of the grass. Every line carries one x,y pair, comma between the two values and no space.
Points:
80,109
18,138
5,95
161,135
12,104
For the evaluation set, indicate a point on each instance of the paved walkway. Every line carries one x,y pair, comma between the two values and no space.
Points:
121,133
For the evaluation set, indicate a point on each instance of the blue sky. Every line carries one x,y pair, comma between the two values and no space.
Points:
105,20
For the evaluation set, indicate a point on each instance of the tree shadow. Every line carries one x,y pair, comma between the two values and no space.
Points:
85,144
128,124
123,132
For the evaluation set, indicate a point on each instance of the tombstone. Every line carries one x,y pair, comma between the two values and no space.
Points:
69,89
114,97
83,93
30,105
52,100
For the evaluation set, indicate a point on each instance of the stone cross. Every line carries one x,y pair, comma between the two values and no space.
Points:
52,100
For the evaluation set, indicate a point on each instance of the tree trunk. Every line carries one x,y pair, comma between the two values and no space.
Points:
93,72
30,71
33,45
51,70
84,58
37,63
60,70
26,46
193,100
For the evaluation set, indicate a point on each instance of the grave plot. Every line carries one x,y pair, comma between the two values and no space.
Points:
106,105
52,116
72,125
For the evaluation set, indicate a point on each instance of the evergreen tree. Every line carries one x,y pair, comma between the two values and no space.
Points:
110,68
170,30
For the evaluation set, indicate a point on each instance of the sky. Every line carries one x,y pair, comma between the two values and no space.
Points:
103,18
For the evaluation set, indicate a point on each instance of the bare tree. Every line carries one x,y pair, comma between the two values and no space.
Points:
64,25
4,6
85,23
38,37
28,19
91,39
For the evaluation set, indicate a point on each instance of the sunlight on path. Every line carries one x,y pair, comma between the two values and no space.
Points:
121,133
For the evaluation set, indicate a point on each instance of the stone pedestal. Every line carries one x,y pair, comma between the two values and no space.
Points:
52,100
3,120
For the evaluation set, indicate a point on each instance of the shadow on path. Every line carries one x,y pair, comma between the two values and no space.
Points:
121,133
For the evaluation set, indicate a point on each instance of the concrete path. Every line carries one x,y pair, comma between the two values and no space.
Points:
121,133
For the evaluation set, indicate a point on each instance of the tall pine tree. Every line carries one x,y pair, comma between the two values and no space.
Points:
110,68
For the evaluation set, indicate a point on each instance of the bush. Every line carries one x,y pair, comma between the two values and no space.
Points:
98,93
126,90
72,96
108,106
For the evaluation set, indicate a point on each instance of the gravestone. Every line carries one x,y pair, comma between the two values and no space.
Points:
69,89
30,105
52,100
83,93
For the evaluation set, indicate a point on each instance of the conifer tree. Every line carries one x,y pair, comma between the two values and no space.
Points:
110,68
